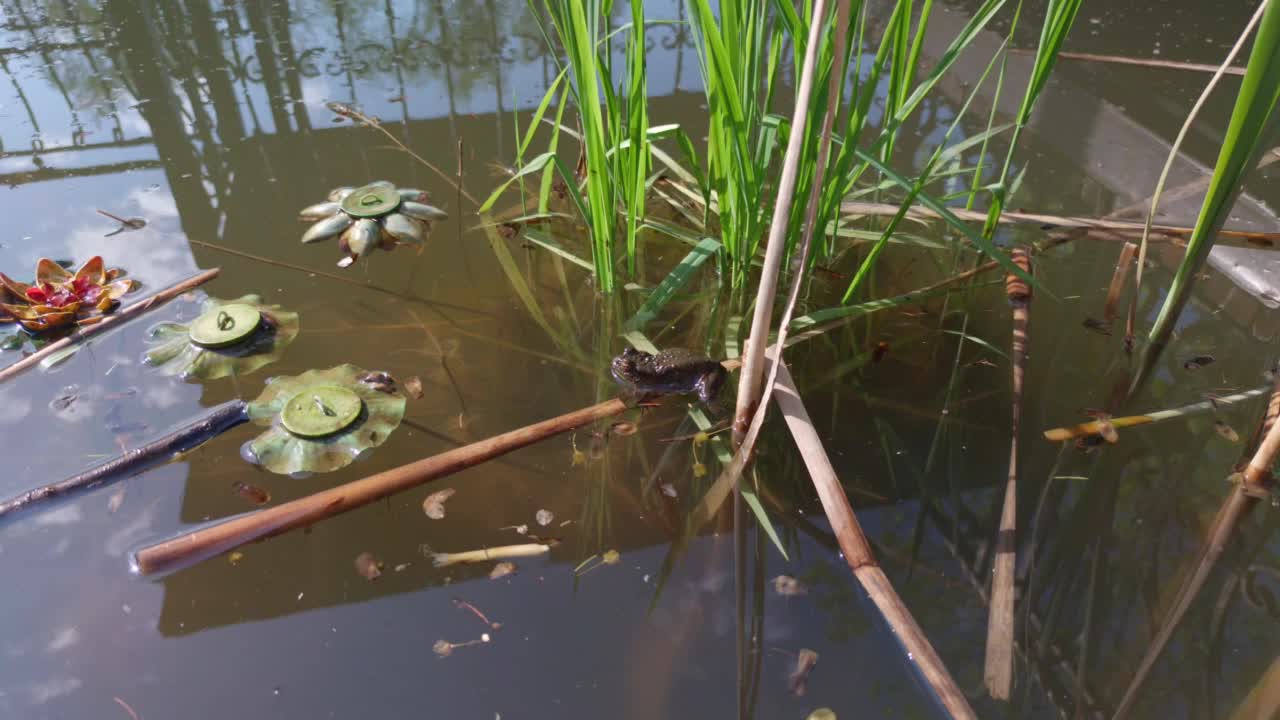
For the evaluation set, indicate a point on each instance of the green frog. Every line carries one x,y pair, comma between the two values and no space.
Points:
670,371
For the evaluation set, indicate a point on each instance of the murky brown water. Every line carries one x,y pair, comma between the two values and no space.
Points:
208,120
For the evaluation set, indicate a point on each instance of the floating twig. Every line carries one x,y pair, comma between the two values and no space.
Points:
487,554
109,322
1096,427
463,604
226,535
132,462
1140,62
857,549
999,661
1251,486
1117,281
1110,229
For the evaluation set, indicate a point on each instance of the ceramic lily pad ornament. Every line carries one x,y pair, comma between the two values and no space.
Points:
378,215
322,420
230,337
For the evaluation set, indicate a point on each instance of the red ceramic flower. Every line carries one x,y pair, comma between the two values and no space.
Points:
59,297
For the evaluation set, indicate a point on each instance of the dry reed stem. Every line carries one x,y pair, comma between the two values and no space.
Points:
1141,62
857,550
109,322
998,671
749,380
212,540
1123,264
1243,498
1117,229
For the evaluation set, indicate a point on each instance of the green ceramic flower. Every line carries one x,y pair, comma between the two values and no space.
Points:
231,337
322,420
378,215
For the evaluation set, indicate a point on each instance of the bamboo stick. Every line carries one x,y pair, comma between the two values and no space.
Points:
1141,62
213,423
108,322
1252,485
1119,227
750,381
1095,427
857,550
998,673
213,540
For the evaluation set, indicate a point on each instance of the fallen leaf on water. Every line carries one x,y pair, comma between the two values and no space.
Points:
544,517
1097,326
611,557
788,586
622,428
235,557
368,566
433,505
413,386
1226,431
115,501
1197,362
805,661
502,570
252,493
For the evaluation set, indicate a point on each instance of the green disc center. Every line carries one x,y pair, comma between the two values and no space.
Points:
321,410
225,325
371,200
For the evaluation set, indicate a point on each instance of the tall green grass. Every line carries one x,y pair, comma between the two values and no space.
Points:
1251,123
741,45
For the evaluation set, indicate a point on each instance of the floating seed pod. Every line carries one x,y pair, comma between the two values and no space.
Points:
322,420
378,215
230,337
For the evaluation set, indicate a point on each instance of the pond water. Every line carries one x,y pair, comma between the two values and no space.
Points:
209,121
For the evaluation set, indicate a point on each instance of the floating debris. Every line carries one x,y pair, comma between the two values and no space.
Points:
126,224
252,493
433,505
230,337
699,469
401,567
1198,362
235,557
521,529
788,586
822,714
596,448
622,428
368,566
498,553
502,570
668,489
115,501
444,648
799,681
413,386
1226,431
464,605
611,557
544,517
1099,326
880,350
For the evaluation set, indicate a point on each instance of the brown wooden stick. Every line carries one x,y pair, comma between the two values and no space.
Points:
1141,62
1117,281
213,540
108,322
1118,229
213,423
998,672
857,550
1243,498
